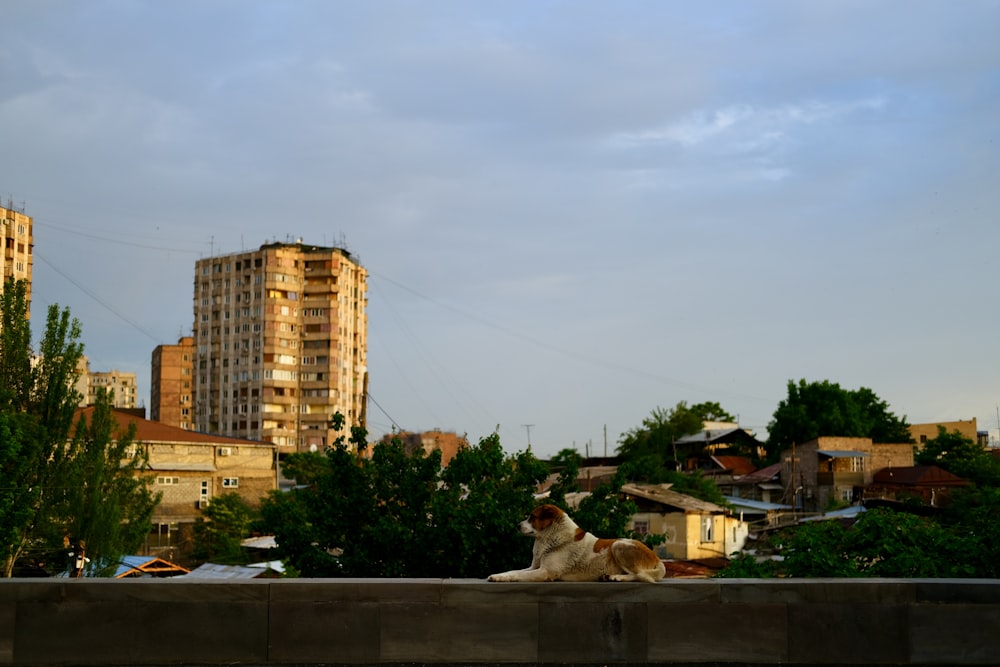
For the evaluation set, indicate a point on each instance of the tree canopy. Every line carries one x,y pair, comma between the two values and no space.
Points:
815,409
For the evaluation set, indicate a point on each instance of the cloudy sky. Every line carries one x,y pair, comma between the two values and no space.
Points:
573,213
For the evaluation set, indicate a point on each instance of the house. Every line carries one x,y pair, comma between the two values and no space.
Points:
717,438
763,485
694,529
189,468
930,485
830,470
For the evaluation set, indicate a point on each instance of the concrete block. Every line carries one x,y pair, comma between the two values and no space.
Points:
792,591
955,634
725,633
324,632
966,591
586,632
402,591
842,633
8,615
468,633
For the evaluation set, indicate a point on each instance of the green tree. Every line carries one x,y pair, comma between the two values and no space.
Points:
817,409
59,482
219,532
960,456
37,403
651,449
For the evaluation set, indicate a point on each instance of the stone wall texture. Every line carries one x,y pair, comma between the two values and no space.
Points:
463,621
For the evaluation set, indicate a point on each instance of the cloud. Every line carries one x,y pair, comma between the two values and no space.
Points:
745,127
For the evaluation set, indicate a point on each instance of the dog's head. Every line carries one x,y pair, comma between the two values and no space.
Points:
541,518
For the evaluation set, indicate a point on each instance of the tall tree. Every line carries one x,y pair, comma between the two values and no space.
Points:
37,402
58,482
815,409
107,503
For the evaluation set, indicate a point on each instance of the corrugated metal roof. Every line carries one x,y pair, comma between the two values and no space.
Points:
756,504
217,571
841,453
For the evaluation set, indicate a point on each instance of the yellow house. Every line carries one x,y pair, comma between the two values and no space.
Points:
694,528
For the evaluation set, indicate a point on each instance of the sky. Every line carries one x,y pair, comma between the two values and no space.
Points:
572,213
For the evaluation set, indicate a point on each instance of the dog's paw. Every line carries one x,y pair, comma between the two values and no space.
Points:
494,577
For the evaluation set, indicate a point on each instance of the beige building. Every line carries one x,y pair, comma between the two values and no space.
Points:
921,433
171,393
18,246
189,469
831,470
693,528
280,344
89,383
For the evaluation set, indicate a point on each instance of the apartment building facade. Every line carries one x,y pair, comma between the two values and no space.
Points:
122,385
18,245
281,344
171,391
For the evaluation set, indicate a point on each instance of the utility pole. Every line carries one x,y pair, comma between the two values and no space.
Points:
527,427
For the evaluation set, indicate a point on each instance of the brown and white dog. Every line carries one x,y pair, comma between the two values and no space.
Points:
565,552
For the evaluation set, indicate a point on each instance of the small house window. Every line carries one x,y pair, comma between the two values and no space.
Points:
230,482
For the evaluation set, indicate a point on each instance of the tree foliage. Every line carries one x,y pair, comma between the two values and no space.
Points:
402,515
816,409
219,532
962,542
650,450
60,484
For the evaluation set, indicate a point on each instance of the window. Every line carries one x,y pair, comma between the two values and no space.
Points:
707,524
641,527
168,481
230,482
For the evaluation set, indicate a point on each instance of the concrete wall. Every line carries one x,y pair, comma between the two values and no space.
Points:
420,621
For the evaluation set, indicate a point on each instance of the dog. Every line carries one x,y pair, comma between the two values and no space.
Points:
565,552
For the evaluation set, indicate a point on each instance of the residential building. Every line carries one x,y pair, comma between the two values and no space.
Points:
695,450
694,528
171,388
281,344
189,469
18,246
121,384
831,470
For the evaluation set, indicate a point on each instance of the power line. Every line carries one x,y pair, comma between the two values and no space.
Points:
97,298
382,410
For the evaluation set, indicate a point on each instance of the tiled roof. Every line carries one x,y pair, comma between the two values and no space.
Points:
147,430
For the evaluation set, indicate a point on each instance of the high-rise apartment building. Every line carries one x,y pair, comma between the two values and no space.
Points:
281,336
171,390
18,242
